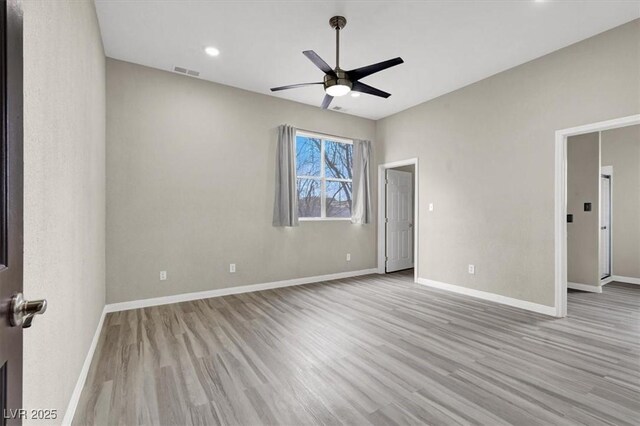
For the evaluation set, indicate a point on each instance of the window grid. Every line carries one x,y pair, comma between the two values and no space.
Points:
323,178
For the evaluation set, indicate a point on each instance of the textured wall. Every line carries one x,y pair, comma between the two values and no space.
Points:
190,188
621,149
487,161
583,186
64,186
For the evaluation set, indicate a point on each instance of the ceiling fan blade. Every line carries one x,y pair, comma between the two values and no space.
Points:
362,72
365,88
293,86
326,101
318,61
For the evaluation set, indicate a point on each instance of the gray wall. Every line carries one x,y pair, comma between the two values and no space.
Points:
621,149
487,161
190,167
64,185
583,186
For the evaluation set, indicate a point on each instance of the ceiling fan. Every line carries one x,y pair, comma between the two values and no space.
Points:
338,82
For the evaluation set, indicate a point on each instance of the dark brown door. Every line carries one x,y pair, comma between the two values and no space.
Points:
10,210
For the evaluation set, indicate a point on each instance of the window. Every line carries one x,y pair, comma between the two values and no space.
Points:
324,176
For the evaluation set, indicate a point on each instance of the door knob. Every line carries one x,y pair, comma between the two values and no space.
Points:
23,311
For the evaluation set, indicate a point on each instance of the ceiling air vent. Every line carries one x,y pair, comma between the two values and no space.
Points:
181,70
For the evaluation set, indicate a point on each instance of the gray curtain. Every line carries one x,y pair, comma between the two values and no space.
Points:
285,208
361,208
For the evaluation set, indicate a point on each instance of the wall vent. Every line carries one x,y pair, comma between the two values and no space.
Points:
181,70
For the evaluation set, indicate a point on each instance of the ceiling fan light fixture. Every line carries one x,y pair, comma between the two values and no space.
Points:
338,90
337,83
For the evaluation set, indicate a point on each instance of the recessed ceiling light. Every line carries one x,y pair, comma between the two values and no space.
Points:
211,51
355,94
539,1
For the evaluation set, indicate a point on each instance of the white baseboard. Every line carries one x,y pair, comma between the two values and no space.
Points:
185,297
628,280
585,287
606,280
522,304
77,391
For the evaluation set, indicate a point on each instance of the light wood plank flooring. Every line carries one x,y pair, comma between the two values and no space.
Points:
369,350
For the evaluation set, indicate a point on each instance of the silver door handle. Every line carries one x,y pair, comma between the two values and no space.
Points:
23,311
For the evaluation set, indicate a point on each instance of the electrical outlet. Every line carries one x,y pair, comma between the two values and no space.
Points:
472,269
163,275
430,207
348,257
232,268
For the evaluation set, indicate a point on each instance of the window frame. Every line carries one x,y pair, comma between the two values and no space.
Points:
323,178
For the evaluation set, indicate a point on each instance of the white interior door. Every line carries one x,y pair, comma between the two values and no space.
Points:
605,226
399,220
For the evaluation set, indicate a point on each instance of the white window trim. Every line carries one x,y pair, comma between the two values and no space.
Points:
322,178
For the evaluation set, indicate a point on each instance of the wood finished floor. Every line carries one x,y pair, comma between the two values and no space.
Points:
369,350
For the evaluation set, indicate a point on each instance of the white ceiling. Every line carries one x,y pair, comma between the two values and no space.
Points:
445,44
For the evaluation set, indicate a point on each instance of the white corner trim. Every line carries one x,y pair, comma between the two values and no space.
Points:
381,243
504,300
77,391
585,287
185,297
628,280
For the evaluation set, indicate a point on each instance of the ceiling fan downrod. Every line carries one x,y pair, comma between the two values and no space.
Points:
338,23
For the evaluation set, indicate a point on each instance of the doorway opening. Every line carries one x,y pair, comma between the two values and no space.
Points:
565,218
398,216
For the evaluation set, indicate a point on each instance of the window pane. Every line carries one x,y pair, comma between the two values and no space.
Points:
308,197
307,156
338,160
338,201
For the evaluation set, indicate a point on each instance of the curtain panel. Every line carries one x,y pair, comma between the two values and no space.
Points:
361,207
285,208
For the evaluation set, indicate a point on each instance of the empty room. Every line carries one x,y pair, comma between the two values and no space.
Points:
262,212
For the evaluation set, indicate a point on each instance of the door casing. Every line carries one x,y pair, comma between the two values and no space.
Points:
606,172
382,168
560,204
